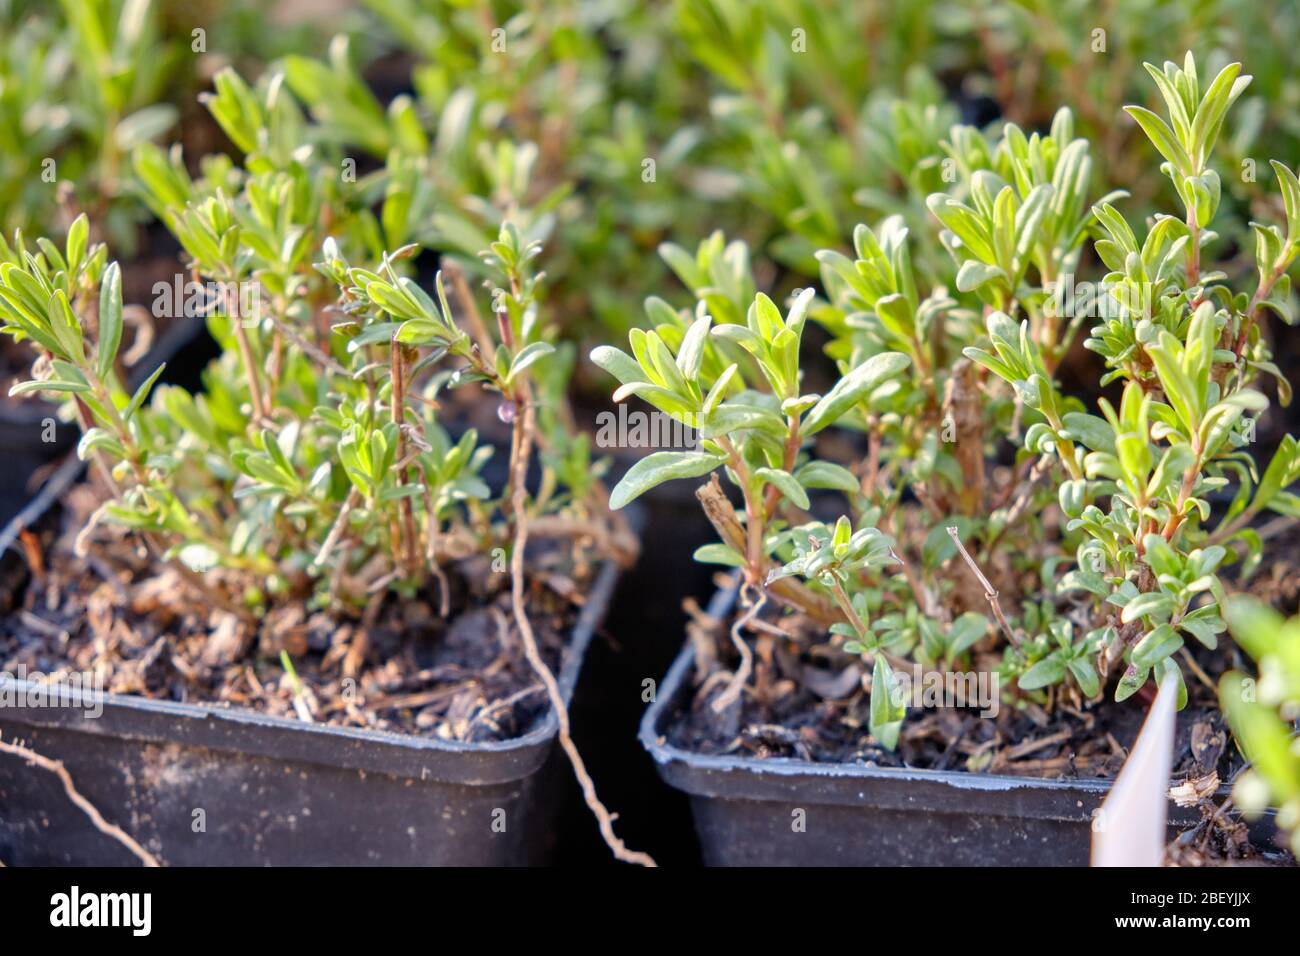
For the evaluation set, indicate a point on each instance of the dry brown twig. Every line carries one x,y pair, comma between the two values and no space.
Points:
56,767
990,592
469,308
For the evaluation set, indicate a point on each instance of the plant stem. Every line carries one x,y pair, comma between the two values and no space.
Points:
469,308
1261,293
407,547
718,509
846,606
1193,249
1065,448
990,592
1184,492
246,357
773,495
754,511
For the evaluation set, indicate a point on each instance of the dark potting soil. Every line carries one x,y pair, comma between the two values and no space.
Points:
399,667
816,708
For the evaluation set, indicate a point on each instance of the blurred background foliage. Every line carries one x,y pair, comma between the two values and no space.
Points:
608,127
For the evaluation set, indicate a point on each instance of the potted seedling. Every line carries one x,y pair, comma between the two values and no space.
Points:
322,634
1037,593
82,86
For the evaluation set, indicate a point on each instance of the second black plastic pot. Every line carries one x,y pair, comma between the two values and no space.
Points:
216,786
788,812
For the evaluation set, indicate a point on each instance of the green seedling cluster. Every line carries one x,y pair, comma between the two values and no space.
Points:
1103,530
313,463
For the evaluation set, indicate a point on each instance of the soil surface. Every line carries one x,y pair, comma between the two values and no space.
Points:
398,667
816,708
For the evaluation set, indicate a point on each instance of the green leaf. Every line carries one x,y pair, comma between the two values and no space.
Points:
1280,472
1156,646
852,388
143,125
660,467
1167,668
141,393
965,632
1178,386
1264,737
786,484
110,320
1162,138
527,356
719,389
1149,604
1130,683
53,385
1225,89
667,402
973,274
886,718
1050,670
1086,675
1255,626
736,416
826,474
1029,219
718,553
97,439
199,558
1161,556
1092,431
691,355
618,363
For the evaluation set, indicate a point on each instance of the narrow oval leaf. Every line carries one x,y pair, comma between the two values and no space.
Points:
660,467
852,388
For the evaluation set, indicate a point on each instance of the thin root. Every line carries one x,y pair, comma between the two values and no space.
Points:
737,683
521,447
56,767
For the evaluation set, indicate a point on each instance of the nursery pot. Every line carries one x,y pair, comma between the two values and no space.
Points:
207,785
32,435
789,812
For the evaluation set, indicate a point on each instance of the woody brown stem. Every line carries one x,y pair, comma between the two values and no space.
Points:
725,522
962,403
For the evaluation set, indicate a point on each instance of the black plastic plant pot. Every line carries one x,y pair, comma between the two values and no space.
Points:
213,786
23,430
788,812
33,437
